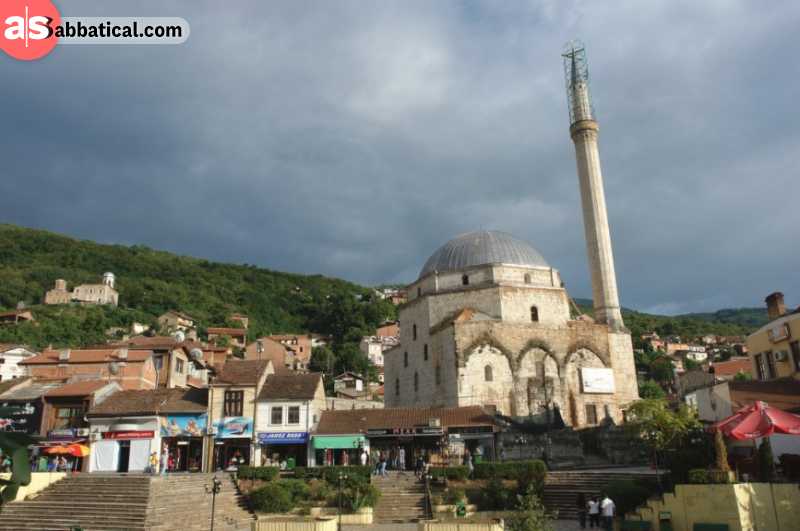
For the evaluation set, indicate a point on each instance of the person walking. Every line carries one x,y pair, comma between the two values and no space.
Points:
402,457
383,465
581,504
468,462
164,459
607,509
594,512
363,457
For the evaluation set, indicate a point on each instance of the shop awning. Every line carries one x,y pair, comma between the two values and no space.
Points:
323,442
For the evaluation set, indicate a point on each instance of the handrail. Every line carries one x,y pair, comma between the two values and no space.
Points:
428,502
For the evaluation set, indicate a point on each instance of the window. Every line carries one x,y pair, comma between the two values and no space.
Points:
419,292
770,357
234,401
405,359
591,414
425,352
179,366
534,314
527,278
276,415
294,415
794,346
438,375
68,417
414,332
760,373
397,387
465,280
416,382
487,373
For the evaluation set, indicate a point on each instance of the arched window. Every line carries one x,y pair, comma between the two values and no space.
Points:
405,359
425,351
414,332
397,386
527,278
438,375
416,382
534,314
465,280
487,373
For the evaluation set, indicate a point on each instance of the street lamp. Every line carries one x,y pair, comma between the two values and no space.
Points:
216,486
342,479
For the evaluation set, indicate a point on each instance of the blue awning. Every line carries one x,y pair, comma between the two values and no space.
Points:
283,437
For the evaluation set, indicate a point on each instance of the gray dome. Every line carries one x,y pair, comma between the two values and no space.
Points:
482,247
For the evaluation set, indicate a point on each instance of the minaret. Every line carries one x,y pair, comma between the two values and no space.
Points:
583,129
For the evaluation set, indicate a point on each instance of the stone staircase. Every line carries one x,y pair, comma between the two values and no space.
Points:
135,502
562,487
402,498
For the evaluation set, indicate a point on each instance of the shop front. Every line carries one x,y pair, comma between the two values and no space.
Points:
332,450
64,449
182,434
233,443
286,449
123,445
479,441
402,446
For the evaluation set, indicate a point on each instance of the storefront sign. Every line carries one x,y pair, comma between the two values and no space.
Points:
419,430
183,425
230,427
128,435
283,437
63,434
597,380
25,419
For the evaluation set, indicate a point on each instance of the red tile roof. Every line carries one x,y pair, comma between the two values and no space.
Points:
88,356
732,367
290,386
242,372
78,388
233,332
147,402
360,420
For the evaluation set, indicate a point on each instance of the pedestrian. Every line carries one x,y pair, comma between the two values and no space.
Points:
164,459
594,512
607,509
383,465
402,454
377,462
580,502
470,466
419,466
364,457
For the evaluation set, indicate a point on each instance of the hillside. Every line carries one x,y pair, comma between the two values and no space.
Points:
151,282
728,322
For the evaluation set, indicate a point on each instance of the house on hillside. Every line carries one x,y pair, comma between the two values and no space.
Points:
131,369
10,358
15,317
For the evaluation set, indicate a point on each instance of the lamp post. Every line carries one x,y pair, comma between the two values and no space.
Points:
342,479
216,486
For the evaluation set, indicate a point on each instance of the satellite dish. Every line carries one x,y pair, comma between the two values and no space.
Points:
179,336
113,368
196,354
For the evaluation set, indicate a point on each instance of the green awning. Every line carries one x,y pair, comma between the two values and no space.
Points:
323,442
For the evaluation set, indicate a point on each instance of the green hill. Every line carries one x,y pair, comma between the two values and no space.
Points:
151,282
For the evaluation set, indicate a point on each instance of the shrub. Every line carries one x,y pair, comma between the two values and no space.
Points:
699,476
331,473
320,490
359,492
496,497
453,496
454,473
271,498
766,462
530,514
531,476
265,473
508,469
628,494
297,489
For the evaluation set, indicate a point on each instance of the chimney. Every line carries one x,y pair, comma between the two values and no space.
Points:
63,355
775,305
122,353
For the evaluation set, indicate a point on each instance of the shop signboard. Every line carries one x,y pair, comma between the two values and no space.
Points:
230,427
283,437
26,418
128,435
183,425
64,434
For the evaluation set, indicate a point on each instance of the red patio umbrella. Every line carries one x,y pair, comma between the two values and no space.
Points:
758,420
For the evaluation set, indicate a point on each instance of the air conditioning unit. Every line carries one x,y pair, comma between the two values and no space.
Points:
781,355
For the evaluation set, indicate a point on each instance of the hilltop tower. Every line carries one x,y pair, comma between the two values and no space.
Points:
583,130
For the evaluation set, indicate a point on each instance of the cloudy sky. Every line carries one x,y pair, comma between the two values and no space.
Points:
354,138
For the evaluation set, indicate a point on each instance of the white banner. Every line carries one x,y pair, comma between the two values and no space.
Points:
597,380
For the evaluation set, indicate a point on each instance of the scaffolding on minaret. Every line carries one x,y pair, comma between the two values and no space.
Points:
576,76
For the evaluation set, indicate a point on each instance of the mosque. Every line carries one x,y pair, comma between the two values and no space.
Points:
488,321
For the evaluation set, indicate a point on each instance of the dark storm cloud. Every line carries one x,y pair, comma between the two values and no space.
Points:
353,138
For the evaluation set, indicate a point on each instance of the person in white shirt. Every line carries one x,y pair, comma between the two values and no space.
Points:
363,458
594,512
607,508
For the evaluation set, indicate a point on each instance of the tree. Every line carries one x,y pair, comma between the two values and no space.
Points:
658,426
742,376
651,389
531,514
721,452
766,462
691,365
322,360
662,370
